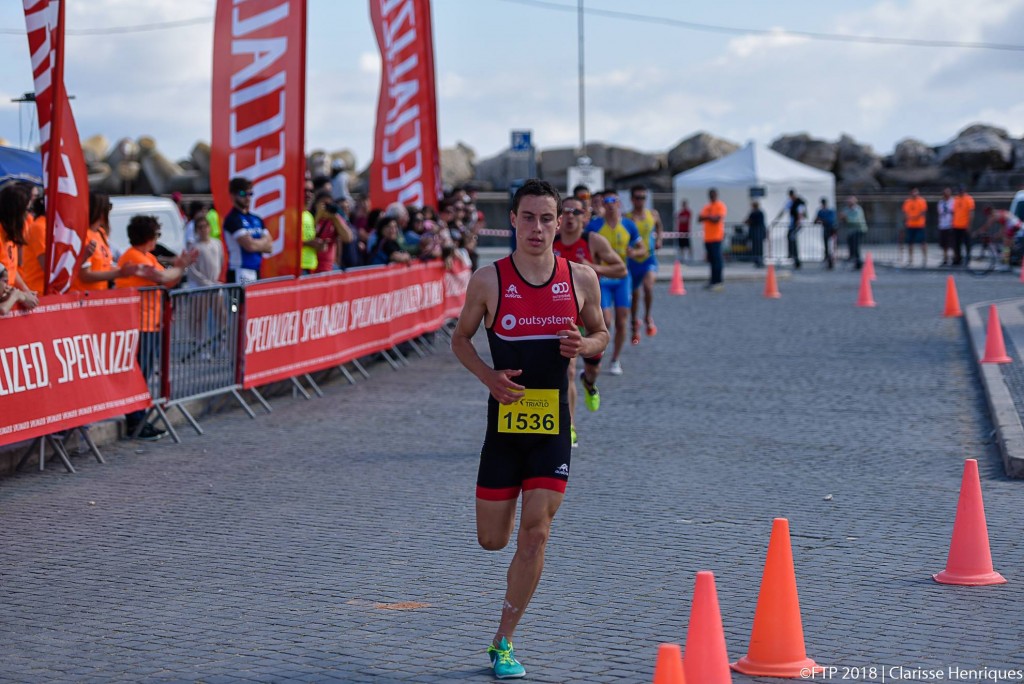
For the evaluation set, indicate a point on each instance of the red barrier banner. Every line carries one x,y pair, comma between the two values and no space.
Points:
258,118
406,164
456,280
306,325
64,171
69,362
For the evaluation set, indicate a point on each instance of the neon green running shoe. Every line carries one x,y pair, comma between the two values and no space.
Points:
591,397
503,660
575,440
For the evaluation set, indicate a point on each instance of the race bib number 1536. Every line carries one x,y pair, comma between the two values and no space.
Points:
535,414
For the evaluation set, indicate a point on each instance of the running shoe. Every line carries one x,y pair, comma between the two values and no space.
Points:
652,329
575,440
636,332
591,397
503,660
615,368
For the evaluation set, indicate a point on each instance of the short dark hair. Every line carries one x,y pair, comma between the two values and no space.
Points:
637,188
609,191
536,187
238,184
142,228
580,188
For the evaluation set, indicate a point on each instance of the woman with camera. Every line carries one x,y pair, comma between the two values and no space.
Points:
331,229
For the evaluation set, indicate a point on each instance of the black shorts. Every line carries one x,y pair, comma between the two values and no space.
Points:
684,241
513,462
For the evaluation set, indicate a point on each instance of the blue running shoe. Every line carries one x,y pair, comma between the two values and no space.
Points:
503,660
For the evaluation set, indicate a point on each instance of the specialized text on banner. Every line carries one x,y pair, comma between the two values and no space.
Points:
69,362
306,325
64,171
258,118
406,163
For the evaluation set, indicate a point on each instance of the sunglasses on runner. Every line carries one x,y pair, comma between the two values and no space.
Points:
611,200
574,212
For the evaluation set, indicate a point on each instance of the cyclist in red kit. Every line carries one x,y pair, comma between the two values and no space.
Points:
530,304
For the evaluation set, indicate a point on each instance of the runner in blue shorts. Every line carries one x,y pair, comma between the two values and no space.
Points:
644,268
616,294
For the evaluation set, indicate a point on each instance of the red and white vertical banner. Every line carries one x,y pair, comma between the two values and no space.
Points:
406,163
64,171
258,118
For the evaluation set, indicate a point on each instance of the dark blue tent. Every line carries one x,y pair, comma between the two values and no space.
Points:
20,165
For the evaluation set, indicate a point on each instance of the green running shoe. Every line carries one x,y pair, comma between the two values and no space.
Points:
503,660
575,440
591,397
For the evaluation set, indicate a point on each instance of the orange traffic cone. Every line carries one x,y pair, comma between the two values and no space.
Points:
864,298
869,266
677,288
669,669
706,661
952,300
970,560
771,287
995,350
777,639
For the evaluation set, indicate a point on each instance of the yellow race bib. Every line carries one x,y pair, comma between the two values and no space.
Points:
535,414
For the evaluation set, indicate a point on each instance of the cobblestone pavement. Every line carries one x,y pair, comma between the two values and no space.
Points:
334,539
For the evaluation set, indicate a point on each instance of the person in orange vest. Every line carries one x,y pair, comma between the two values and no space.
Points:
712,216
33,252
963,217
914,210
14,203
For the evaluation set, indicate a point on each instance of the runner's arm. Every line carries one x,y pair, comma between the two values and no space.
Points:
499,382
611,265
588,293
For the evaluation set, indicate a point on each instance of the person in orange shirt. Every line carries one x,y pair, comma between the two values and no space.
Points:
963,217
143,232
97,271
33,252
14,201
713,218
915,209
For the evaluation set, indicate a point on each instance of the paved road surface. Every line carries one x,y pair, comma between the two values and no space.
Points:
334,539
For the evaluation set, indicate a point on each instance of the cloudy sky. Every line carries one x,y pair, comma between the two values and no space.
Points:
508,64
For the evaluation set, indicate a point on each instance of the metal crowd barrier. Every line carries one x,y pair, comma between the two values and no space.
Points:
202,347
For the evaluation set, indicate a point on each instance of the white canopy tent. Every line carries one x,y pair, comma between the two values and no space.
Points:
756,172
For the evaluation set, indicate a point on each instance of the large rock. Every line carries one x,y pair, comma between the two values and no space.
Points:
856,165
820,154
1018,154
164,176
617,162
457,165
978,148
200,156
497,171
913,154
698,149
94,149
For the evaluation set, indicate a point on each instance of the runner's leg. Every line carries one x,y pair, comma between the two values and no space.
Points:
494,522
572,391
649,279
621,321
539,507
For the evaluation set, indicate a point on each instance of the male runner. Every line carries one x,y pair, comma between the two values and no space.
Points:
592,250
530,303
617,293
643,269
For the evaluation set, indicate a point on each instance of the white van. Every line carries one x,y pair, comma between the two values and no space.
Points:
172,227
1017,205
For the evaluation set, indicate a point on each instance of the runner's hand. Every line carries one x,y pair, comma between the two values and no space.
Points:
504,391
569,343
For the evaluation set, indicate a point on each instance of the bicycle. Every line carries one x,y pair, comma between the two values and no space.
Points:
984,252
